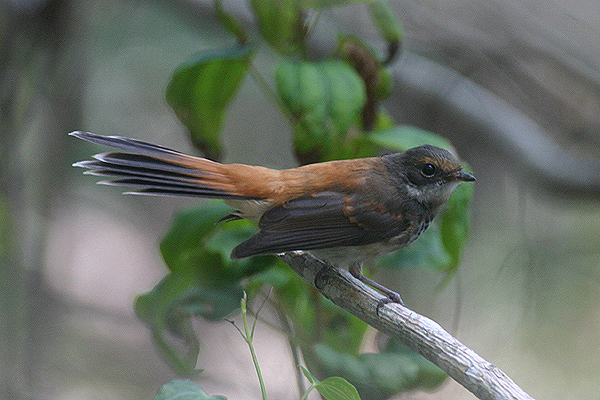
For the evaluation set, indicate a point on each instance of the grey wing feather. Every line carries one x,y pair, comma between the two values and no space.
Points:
324,220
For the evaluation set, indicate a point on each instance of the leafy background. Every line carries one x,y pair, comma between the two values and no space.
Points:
532,257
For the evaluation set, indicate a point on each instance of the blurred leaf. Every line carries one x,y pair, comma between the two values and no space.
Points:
455,222
171,330
201,89
307,309
384,122
358,147
198,245
300,303
346,93
404,137
429,376
302,89
329,3
326,98
281,24
179,389
389,27
187,231
426,252
213,304
153,307
385,83
225,236
378,375
386,22
168,309
336,388
230,23
204,281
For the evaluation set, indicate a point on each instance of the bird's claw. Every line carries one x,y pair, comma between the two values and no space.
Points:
392,297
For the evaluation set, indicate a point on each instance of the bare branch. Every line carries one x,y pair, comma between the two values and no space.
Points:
484,380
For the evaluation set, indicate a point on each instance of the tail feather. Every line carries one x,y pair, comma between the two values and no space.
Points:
166,187
157,170
140,161
99,168
127,144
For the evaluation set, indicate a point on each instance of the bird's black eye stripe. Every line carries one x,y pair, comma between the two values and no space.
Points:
428,170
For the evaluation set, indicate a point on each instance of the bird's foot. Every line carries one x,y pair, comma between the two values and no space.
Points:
392,297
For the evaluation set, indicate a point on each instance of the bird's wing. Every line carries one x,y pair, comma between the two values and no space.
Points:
323,220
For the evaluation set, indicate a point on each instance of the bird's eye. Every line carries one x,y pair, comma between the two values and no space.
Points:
428,170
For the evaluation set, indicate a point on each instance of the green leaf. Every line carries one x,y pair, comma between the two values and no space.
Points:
385,83
153,307
168,309
214,304
230,23
383,123
181,389
336,388
184,240
329,3
198,245
428,375
204,280
404,137
385,20
326,98
378,375
202,88
347,94
281,24
171,329
303,90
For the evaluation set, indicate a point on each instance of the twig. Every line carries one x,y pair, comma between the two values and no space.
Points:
484,380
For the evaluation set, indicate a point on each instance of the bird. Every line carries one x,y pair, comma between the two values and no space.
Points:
343,212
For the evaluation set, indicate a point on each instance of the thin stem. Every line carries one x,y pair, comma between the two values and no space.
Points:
259,310
264,87
248,337
263,389
310,389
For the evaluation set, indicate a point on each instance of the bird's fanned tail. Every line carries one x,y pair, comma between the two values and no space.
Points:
157,170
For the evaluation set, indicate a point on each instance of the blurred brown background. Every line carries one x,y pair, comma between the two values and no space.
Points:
514,84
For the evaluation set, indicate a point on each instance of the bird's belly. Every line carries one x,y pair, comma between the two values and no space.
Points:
346,255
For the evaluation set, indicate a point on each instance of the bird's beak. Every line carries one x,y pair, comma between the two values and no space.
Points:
463,176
